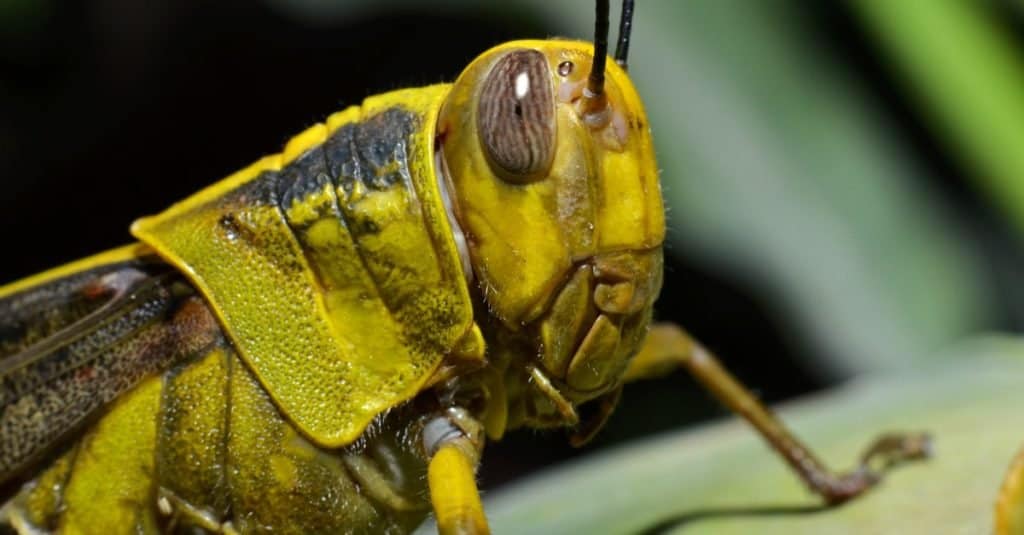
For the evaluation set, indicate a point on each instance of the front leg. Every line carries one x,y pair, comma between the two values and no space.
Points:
668,347
454,441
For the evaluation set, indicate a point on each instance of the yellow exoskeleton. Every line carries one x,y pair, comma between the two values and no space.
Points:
295,347
1009,517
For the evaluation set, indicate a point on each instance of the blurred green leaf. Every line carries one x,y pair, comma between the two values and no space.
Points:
720,479
970,77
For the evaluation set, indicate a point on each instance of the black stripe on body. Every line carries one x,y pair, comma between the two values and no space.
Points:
302,178
372,152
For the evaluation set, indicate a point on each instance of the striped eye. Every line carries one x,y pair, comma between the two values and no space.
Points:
516,117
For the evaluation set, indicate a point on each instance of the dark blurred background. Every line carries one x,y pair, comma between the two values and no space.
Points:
836,203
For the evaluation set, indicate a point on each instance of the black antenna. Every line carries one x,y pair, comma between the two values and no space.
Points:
595,83
625,27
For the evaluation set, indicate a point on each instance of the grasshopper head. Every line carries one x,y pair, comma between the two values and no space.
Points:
557,195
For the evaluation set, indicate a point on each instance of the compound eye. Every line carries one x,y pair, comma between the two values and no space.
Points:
516,116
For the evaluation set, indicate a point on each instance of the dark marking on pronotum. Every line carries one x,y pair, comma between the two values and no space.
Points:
373,152
302,178
228,225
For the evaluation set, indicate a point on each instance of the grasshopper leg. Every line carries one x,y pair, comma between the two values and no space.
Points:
667,346
454,442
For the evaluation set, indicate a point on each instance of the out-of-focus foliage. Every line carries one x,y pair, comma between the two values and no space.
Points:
720,479
970,78
778,169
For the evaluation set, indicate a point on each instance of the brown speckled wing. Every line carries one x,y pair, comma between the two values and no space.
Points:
71,345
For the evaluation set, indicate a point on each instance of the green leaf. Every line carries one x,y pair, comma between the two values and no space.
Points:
970,78
721,479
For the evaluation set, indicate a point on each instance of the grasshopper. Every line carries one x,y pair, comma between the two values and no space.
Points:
294,347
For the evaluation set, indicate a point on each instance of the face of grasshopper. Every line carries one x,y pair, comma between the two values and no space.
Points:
559,205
